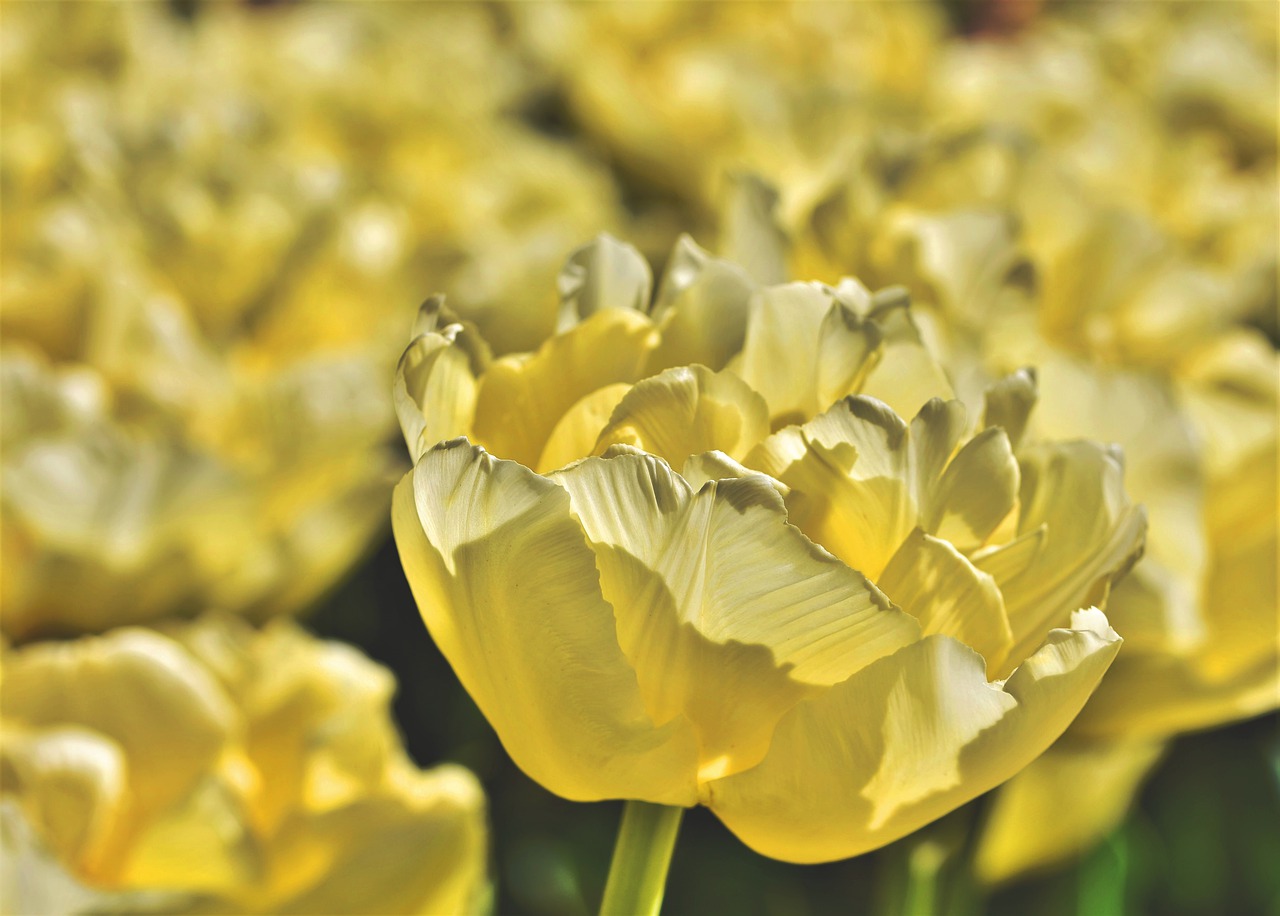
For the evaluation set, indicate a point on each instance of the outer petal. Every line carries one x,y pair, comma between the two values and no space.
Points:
727,613
903,742
687,411
509,590
521,398
1068,799
435,390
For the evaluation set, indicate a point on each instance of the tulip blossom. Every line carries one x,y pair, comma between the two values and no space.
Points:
683,556
210,768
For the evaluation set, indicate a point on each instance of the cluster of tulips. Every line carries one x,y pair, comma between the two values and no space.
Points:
948,466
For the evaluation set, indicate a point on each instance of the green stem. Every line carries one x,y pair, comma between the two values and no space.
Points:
638,874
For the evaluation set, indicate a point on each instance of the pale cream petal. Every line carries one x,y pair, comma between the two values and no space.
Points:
522,398
1008,403
780,353
435,390
907,375
728,614
935,433
136,687
604,274
687,411
1158,605
932,581
508,588
1093,534
73,783
976,492
1235,671
715,465
701,307
749,231
849,349
851,480
576,434
1065,802
904,741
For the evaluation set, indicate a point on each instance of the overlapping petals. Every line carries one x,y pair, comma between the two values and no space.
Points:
700,585
211,768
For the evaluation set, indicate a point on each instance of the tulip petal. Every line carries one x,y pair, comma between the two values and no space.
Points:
421,853
687,411
933,582
521,398
976,492
779,355
604,274
904,741
701,308
1009,402
73,783
1093,534
576,434
716,465
435,390
907,375
509,590
728,614
851,483
1067,800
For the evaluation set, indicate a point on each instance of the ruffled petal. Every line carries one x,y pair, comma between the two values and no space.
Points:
933,582
687,411
701,307
1093,534
136,687
509,590
522,398
851,480
904,741
605,274
728,614
435,390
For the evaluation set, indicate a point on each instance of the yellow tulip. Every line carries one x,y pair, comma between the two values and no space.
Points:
766,592
213,768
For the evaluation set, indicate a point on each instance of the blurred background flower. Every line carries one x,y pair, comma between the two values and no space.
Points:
211,768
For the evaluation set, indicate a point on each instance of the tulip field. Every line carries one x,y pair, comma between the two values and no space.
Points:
641,456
